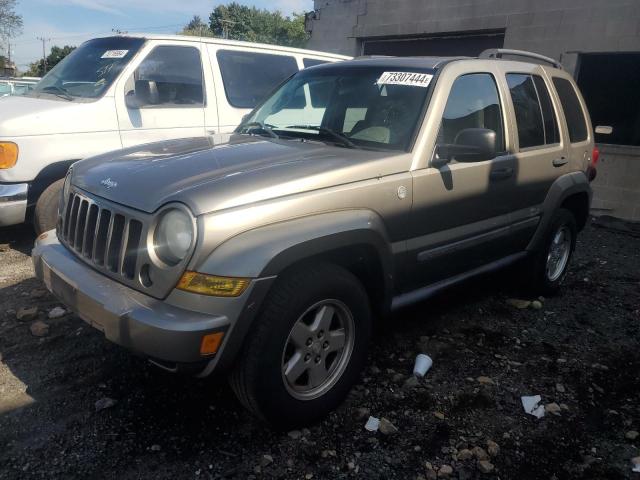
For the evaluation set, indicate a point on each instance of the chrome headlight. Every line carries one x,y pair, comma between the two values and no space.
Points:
66,187
173,236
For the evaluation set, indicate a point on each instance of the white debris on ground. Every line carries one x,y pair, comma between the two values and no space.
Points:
372,424
532,405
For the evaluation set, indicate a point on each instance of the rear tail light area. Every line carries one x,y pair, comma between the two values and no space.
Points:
591,169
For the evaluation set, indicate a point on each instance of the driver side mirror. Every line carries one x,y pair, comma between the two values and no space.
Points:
470,145
145,93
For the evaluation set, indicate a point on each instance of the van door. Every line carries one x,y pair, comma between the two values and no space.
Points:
164,96
246,77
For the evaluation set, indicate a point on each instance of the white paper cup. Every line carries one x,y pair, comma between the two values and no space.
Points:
422,365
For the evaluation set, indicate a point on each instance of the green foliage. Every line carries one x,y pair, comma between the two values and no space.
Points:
197,28
10,21
36,69
240,22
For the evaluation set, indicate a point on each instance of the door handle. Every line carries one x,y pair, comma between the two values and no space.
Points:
559,162
501,173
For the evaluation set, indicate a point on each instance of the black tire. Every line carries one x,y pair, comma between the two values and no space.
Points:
46,212
257,379
534,272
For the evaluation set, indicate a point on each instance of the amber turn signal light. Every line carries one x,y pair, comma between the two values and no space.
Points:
8,154
212,285
210,343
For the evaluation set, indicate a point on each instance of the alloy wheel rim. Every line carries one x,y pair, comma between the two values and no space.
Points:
559,252
318,349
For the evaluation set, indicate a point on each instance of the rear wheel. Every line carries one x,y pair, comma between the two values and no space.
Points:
546,269
46,212
307,349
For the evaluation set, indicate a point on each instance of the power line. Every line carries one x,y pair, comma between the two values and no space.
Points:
44,54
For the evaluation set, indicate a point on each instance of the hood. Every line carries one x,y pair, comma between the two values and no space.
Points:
21,116
224,171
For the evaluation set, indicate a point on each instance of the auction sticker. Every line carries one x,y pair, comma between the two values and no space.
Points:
115,54
413,79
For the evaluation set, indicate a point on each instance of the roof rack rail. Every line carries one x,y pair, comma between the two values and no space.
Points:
499,52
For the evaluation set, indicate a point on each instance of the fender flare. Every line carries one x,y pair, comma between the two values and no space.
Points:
561,189
48,175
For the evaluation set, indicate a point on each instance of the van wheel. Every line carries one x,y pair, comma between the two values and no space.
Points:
46,212
307,348
545,271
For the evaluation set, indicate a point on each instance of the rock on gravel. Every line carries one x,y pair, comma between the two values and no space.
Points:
27,313
552,408
518,303
445,471
493,448
57,312
480,453
104,402
39,329
485,466
631,435
465,454
386,427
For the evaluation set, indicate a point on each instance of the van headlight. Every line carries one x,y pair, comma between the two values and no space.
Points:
173,236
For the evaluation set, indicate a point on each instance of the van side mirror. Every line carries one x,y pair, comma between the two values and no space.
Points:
604,130
470,145
145,93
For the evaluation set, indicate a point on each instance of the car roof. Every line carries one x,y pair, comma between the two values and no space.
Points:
231,43
400,62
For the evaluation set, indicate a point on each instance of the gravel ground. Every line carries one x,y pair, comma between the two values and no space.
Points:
580,351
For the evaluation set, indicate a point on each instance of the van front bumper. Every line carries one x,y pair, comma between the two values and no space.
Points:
168,335
13,203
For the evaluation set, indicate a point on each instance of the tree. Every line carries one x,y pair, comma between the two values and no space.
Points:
240,22
36,69
10,21
196,27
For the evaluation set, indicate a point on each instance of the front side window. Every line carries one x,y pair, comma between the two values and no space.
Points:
473,103
535,117
89,70
357,107
576,122
248,77
173,74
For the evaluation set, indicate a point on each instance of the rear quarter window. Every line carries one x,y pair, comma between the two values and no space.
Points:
576,121
248,77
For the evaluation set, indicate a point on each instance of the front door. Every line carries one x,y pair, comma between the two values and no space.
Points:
461,209
164,97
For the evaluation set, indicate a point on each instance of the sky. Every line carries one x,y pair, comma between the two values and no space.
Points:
70,22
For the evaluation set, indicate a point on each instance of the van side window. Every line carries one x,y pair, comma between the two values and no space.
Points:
312,62
473,103
576,122
248,77
176,73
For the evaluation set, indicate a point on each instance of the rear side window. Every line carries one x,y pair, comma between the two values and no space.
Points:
312,62
248,77
551,134
527,109
576,121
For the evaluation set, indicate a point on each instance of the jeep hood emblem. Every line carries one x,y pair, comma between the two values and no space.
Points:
107,182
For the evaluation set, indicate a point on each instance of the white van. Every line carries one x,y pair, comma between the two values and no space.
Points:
115,92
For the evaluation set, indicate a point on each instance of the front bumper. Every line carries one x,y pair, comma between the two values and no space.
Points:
13,203
168,334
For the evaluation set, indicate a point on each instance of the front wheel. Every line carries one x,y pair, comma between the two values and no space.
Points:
546,269
308,347
46,212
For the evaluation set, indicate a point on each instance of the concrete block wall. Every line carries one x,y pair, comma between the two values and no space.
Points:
616,189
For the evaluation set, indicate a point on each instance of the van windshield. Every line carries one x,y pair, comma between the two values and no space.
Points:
350,106
89,70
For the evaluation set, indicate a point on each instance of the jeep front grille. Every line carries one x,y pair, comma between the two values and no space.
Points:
108,239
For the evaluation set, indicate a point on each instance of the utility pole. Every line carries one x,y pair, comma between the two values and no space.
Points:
44,54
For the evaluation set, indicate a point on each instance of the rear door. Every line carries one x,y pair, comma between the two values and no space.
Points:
173,72
539,142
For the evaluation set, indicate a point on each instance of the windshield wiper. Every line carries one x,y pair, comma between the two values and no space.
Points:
339,137
61,92
264,127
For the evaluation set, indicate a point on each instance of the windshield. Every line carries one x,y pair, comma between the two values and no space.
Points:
5,88
90,69
351,106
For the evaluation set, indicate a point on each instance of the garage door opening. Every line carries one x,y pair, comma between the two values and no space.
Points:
442,45
609,83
